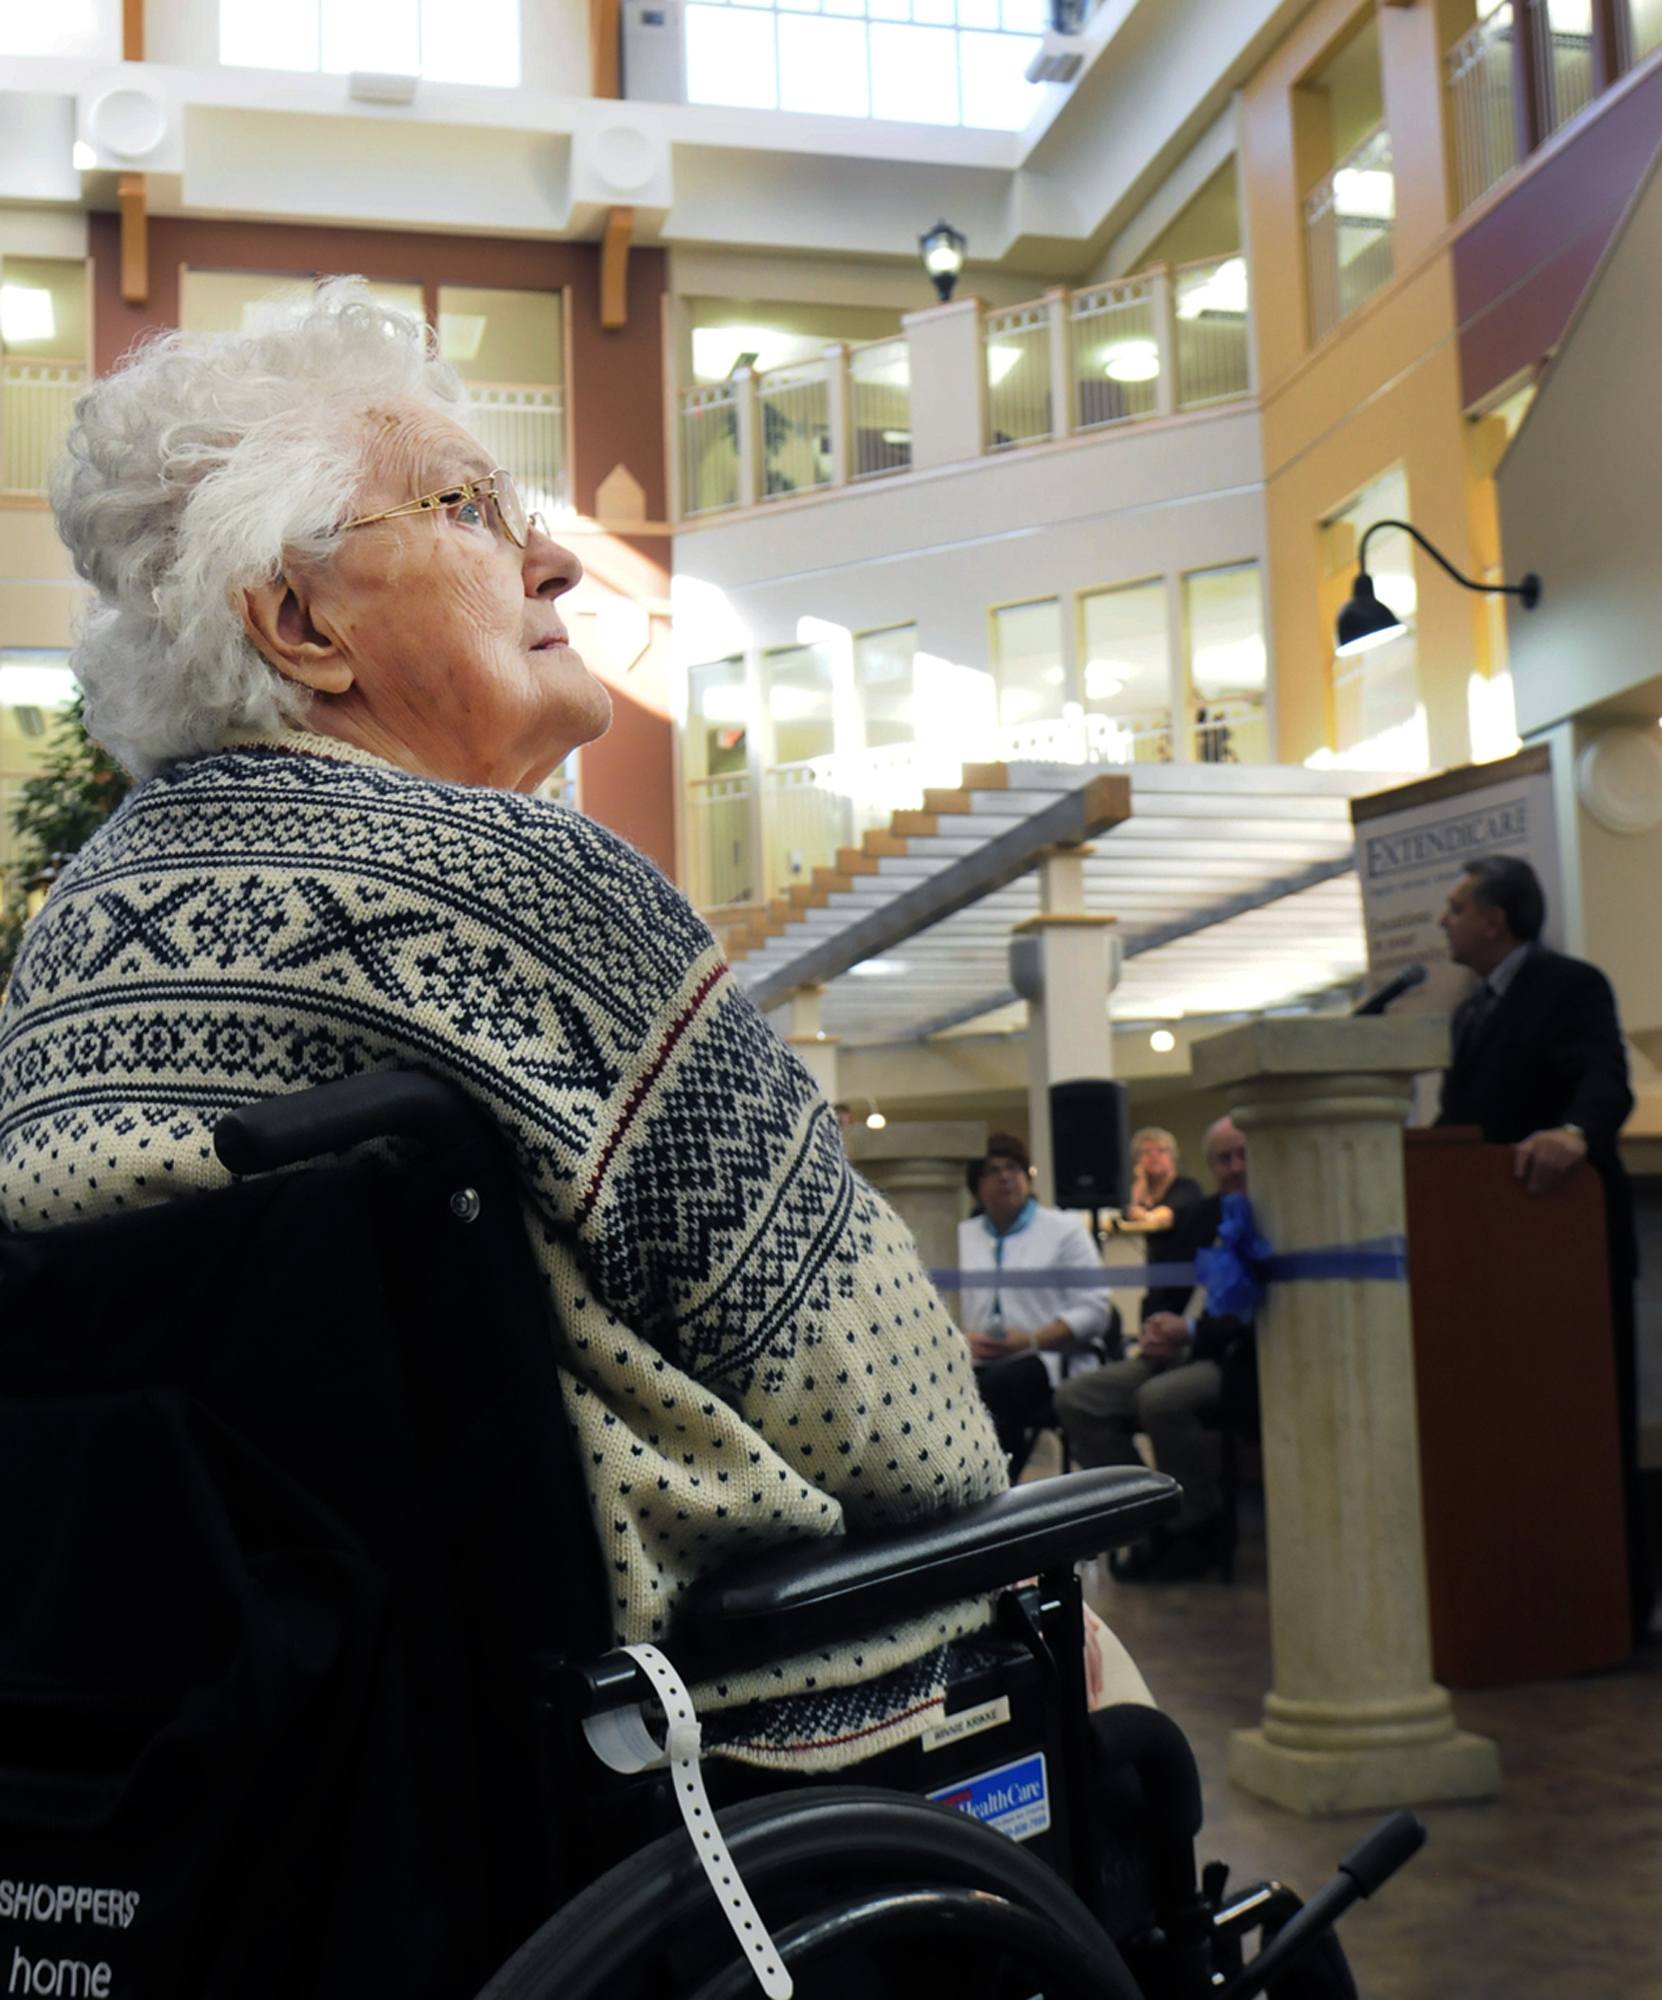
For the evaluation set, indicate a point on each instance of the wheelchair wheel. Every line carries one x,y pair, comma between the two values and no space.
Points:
868,1891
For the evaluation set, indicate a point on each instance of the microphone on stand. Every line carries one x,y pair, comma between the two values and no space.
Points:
1406,980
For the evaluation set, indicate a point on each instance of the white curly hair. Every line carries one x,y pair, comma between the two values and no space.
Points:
200,468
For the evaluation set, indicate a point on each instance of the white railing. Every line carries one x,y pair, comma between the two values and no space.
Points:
1214,349
1480,105
1016,344
524,429
1564,63
1099,357
718,827
1232,730
709,445
1117,360
807,819
794,411
1643,28
1347,231
880,401
37,400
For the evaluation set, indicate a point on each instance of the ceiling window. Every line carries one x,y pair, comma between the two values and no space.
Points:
445,41
921,62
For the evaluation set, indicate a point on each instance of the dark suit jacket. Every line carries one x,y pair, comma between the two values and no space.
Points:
1549,1054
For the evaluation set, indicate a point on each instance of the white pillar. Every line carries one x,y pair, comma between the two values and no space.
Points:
1065,973
919,1168
816,1050
1061,361
1166,389
949,383
748,436
839,414
1354,1718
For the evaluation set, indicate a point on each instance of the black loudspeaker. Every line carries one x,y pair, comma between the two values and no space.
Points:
1088,1139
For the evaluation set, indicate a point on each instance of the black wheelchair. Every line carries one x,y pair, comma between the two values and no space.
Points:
302,1628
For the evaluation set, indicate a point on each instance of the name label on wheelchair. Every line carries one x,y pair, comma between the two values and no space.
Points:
1014,1799
967,1722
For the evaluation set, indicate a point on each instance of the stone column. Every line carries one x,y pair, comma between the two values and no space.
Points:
918,1167
816,1050
1063,964
1354,1718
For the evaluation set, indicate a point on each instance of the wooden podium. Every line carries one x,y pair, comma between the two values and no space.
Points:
1525,1545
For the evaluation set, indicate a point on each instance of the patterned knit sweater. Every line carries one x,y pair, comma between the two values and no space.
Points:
749,1350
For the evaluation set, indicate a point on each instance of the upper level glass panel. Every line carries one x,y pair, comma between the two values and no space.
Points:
1223,615
883,685
1027,658
922,62
1127,670
446,41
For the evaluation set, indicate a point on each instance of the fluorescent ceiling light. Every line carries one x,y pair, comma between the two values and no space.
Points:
26,314
879,968
716,348
461,335
1162,1041
1223,290
725,704
1368,194
1000,360
896,437
1102,683
30,684
1131,361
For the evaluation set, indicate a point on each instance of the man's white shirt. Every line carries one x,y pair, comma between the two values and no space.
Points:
1039,1239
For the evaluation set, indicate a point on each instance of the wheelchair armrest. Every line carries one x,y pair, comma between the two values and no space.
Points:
793,1599
385,1104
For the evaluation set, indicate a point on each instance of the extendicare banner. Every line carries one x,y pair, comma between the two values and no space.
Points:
1415,841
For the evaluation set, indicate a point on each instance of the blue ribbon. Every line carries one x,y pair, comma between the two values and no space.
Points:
1236,1271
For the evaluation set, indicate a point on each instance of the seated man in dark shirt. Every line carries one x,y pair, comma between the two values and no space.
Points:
1185,1371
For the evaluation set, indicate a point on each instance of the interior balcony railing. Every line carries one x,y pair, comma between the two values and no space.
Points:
523,425
1164,341
1482,119
880,396
1564,63
720,848
1348,220
37,401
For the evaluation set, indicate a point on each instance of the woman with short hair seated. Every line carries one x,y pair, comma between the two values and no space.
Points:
328,638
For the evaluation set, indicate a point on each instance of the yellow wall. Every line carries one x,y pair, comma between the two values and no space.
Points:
1382,389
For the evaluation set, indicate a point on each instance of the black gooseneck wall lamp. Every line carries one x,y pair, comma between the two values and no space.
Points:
1365,622
943,250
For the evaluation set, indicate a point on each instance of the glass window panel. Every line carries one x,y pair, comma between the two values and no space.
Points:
255,35
88,29
889,10
914,74
239,301
935,13
1024,17
1646,22
997,95
719,714
857,8
822,66
43,308
730,58
502,337
883,676
372,35
1027,656
471,41
1126,669
797,680
1376,705
1228,667
978,13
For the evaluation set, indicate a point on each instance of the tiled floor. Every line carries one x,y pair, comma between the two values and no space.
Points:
1553,1893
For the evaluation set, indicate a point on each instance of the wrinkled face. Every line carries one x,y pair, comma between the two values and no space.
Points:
453,635
1477,934
1003,1187
1226,1156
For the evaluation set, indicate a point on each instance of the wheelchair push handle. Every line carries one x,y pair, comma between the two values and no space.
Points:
388,1104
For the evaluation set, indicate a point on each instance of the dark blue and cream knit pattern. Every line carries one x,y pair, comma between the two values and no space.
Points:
749,1349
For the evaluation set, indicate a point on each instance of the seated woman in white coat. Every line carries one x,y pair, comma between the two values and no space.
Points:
1024,1336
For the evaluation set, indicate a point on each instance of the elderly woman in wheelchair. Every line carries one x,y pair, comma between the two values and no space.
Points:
327,635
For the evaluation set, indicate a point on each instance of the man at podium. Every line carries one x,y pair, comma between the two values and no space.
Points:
1539,1064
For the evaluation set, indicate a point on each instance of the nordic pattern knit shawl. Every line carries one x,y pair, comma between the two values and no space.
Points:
749,1350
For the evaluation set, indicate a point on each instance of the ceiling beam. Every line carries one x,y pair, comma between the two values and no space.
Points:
614,269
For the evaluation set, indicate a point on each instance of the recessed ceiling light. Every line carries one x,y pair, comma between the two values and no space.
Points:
1162,1041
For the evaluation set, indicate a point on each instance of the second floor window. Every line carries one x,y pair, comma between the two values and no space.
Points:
926,62
445,41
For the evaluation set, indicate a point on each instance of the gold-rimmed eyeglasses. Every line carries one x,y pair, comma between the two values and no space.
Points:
496,496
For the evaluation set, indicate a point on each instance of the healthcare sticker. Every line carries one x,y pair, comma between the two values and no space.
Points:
1015,1798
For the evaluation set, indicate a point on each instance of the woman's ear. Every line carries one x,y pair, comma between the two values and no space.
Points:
277,617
